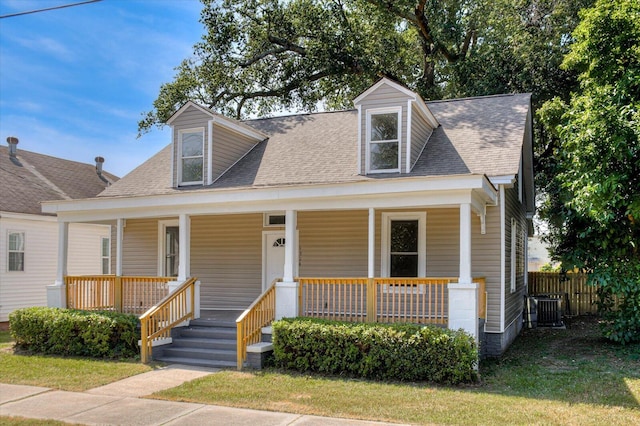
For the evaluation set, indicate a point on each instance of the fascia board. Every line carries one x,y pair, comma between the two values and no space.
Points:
507,180
233,200
27,216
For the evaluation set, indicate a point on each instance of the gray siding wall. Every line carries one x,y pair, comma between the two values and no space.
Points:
140,247
226,256
384,97
420,133
228,147
191,118
514,301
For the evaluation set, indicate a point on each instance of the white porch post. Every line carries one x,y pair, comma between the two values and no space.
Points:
119,237
463,295
184,238
56,293
372,243
287,290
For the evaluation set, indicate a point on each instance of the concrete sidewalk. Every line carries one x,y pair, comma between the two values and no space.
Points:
119,404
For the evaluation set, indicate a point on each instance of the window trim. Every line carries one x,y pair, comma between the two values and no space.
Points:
385,249
162,226
181,132
514,237
23,251
378,111
107,256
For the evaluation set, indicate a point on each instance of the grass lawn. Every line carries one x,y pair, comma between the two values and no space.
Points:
569,377
71,374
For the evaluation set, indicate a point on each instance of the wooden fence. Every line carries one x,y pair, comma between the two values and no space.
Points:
579,298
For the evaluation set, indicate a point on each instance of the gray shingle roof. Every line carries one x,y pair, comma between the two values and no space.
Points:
30,178
481,135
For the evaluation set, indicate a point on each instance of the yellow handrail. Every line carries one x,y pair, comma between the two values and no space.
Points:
158,321
261,313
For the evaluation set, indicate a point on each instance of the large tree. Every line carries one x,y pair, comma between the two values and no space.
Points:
593,202
259,56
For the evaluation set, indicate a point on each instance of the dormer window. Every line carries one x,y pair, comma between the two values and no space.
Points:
191,164
383,140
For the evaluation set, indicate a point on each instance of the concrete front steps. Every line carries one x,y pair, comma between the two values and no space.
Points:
203,343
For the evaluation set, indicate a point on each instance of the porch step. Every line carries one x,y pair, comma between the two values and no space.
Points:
203,343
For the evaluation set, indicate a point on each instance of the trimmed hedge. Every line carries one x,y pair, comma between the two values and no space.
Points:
73,332
404,352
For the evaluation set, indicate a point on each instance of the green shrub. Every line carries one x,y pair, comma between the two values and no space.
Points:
73,332
375,351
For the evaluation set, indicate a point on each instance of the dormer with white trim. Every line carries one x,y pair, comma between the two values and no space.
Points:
394,127
206,144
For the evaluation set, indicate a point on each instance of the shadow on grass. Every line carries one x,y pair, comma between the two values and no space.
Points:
573,365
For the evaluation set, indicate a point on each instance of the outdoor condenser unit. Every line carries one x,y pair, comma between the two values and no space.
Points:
549,311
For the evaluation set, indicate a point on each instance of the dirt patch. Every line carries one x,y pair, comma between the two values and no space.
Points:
4,325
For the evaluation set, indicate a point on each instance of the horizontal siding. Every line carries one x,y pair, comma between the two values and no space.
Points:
443,242
28,288
420,133
140,247
333,244
228,147
226,256
514,302
189,119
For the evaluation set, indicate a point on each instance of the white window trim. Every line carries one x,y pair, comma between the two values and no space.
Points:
514,238
376,111
108,256
24,250
266,223
162,226
385,250
180,157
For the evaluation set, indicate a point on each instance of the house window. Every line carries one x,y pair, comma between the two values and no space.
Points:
106,255
383,140
403,244
168,248
274,219
16,251
514,238
191,164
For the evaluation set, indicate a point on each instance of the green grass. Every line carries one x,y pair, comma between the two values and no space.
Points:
71,374
548,377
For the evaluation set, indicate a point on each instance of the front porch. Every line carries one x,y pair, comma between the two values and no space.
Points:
164,304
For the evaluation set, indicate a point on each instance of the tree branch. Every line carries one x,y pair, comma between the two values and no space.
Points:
287,45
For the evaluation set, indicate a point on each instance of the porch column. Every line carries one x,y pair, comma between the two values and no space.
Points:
287,290
463,295
56,293
119,236
372,243
184,237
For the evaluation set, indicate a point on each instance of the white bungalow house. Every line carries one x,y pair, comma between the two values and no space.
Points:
422,207
29,238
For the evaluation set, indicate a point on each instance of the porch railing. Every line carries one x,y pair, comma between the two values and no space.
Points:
157,322
389,300
128,294
249,325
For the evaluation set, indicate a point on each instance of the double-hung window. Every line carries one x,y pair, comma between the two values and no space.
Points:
105,250
191,162
15,252
383,140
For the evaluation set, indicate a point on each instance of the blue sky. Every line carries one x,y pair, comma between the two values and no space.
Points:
75,81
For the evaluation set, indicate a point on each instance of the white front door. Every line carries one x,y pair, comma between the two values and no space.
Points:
273,257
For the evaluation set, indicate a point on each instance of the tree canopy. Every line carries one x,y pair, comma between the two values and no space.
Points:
593,200
261,56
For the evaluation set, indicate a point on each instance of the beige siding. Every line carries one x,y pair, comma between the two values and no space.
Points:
420,133
28,288
228,147
226,256
140,247
333,244
443,242
191,118
384,97
514,301
485,262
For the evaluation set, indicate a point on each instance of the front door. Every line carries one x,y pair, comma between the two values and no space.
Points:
273,257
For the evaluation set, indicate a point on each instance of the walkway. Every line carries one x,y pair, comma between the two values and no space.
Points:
120,403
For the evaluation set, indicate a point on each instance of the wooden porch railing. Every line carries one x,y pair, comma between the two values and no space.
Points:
414,300
249,325
158,321
128,294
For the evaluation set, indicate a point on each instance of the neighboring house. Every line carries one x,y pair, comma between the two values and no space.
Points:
397,187
29,238
538,254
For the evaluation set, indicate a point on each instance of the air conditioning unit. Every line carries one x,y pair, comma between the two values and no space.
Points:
544,311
